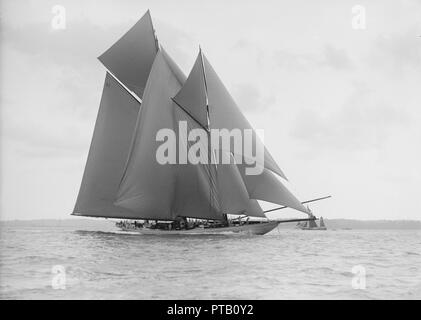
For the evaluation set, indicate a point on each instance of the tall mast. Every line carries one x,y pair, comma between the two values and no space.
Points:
211,180
153,31
206,89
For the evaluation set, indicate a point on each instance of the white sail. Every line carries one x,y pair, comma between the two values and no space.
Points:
130,58
192,96
224,113
108,152
181,77
204,90
158,191
234,195
148,187
123,178
266,186
312,224
197,193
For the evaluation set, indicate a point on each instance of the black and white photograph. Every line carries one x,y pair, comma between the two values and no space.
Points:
210,151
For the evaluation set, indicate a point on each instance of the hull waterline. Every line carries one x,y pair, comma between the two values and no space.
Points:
246,229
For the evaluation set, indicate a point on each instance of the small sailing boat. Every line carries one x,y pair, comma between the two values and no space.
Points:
144,92
311,224
322,225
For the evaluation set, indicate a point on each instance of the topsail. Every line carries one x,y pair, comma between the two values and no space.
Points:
123,178
130,58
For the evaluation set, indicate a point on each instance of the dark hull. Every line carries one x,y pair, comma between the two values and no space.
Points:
250,229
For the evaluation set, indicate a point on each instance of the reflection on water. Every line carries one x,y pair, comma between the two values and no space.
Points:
284,264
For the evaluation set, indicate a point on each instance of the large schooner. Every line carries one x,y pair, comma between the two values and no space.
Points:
144,92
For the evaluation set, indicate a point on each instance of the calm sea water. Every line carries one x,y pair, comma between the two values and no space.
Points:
100,263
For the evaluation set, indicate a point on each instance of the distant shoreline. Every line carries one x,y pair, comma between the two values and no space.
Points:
330,223
372,224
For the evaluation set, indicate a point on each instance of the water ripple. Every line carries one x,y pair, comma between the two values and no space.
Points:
285,264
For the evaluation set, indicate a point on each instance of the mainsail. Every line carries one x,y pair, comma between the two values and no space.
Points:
158,191
109,149
148,187
123,178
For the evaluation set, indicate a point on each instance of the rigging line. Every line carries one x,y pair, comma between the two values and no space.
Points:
304,202
295,220
211,196
205,83
206,168
154,32
132,93
185,110
204,76
212,182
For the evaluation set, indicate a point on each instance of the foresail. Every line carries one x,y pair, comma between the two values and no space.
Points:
234,195
224,113
197,193
130,58
203,89
254,209
266,186
108,151
192,96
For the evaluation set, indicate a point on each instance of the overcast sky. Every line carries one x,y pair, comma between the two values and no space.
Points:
340,107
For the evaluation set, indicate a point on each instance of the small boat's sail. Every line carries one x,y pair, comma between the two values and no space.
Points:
312,224
322,223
